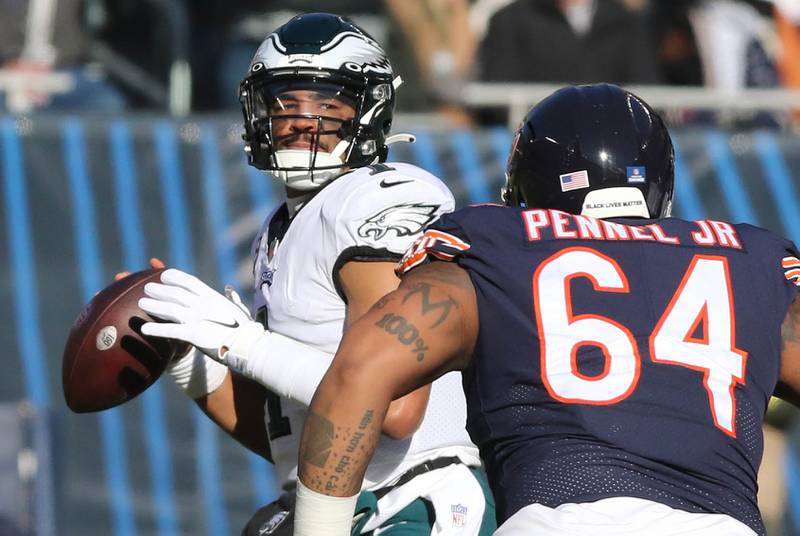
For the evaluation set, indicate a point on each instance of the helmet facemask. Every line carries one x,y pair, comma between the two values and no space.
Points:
303,128
331,58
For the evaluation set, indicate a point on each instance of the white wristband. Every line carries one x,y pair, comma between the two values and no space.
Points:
316,514
285,366
197,374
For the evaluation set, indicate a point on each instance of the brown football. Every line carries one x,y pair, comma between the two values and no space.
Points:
107,361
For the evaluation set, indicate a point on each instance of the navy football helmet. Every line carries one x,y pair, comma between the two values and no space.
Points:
325,72
596,150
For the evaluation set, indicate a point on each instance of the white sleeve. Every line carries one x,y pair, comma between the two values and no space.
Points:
285,366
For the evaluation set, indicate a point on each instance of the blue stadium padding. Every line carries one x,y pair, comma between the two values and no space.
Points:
179,235
180,240
262,203
260,191
23,272
466,151
730,183
423,152
686,202
501,138
44,507
134,258
89,261
216,207
792,475
707,177
780,183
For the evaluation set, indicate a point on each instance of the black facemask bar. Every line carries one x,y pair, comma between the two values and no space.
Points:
343,131
258,91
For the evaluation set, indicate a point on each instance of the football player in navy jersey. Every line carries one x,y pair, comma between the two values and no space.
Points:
617,362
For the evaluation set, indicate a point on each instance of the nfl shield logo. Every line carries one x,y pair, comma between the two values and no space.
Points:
459,515
636,174
267,276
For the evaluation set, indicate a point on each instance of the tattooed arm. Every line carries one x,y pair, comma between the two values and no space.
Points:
364,283
425,328
788,387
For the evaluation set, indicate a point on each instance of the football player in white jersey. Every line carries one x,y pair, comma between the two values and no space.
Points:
318,102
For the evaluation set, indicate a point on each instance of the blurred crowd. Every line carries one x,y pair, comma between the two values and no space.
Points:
108,56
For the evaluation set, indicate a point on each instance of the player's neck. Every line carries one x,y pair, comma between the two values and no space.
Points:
296,199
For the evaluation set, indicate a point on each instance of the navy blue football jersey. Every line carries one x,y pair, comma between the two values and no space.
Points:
621,357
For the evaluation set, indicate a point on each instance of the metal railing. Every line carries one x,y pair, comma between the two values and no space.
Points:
518,98
23,88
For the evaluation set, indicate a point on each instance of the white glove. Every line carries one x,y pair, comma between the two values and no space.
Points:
197,314
222,328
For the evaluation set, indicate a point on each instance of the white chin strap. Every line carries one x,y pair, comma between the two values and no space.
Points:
297,173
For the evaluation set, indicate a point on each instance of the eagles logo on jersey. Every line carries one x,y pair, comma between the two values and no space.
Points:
405,220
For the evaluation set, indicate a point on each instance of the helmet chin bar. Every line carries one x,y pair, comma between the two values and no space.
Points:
305,170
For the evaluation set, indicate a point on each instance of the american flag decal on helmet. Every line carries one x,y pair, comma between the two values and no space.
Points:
791,269
439,244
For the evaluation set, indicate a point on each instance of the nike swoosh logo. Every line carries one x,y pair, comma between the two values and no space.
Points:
234,325
385,184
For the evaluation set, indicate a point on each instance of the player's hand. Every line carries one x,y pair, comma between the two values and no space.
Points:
154,263
197,314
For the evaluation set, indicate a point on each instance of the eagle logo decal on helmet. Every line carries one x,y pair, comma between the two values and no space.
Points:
404,220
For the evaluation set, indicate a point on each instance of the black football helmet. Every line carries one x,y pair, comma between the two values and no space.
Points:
596,150
332,58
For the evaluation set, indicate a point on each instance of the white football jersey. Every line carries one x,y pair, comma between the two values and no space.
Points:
372,213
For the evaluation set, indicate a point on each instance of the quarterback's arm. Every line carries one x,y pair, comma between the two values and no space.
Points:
364,283
233,402
788,387
425,328
237,406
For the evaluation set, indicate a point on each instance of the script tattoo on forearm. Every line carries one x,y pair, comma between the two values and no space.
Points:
343,475
355,439
406,333
442,307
